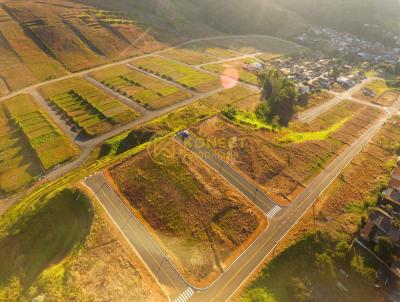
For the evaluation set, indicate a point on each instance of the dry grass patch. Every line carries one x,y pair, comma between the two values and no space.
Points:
194,214
284,169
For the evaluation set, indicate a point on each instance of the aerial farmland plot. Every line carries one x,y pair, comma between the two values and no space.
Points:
211,48
189,56
150,92
30,144
283,162
87,108
181,74
252,45
245,74
200,221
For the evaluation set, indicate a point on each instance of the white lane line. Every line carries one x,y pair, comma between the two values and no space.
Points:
273,211
186,295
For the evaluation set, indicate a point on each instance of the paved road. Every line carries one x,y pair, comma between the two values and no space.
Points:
137,236
309,115
235,275
243,185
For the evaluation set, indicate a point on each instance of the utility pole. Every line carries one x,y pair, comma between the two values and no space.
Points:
255,194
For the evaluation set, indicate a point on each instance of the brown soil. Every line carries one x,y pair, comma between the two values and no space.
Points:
359,182
388,98
107,269
193,213
283,170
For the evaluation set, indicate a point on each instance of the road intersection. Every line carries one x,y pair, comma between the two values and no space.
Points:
281,219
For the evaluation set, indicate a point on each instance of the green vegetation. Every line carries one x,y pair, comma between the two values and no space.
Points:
148,91
279,94
30,144
181,74
309,269
89,108
291,136
244,74
188,56
39,239
378,86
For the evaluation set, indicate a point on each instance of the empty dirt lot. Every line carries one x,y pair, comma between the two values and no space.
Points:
193,213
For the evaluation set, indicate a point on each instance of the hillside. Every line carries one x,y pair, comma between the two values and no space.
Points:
275,17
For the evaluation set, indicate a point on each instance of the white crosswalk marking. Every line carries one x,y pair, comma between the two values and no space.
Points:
273,211
186,295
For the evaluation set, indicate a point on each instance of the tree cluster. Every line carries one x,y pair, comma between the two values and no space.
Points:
279,98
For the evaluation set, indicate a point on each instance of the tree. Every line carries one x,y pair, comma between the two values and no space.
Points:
299,290
397,69
325,266
384,248
229,112
278,95
258,295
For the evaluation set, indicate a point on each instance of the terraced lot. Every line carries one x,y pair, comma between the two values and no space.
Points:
22,63
139,87
30,144
181,74
283,162
245,75
80,36
87,108
193,213
189,56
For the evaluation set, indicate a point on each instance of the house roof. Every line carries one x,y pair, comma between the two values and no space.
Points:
383,222
394,183
369,229
391,195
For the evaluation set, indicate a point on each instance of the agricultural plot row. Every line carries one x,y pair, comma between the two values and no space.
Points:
189,56
87,108
22,63
139,87
283,162
181,74
242,67
30,144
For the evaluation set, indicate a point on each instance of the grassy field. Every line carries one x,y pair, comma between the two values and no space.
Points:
41,239
188,56
193,213
31,144
383,94
338,212
244,75
87,107
268,158
315,99
210,48
22,62
83,257
183,75
251,45
148,91
77,36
